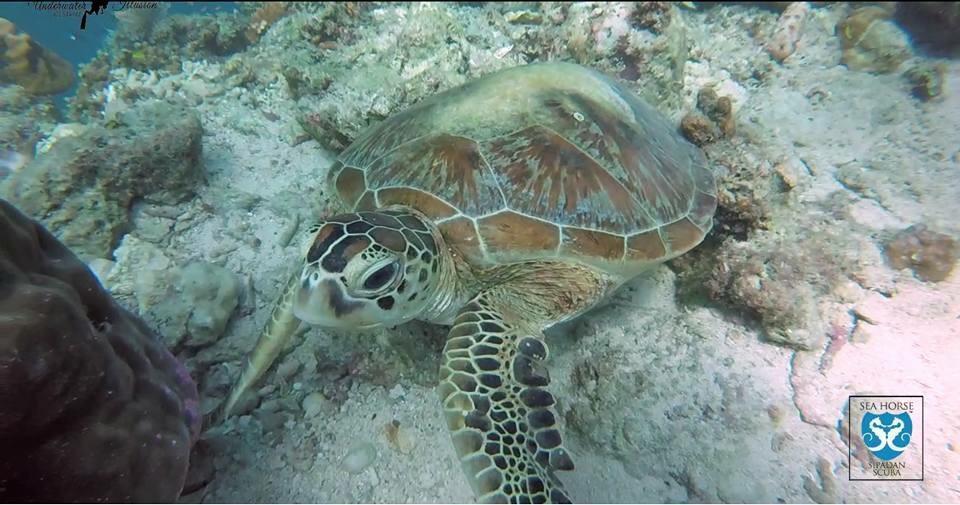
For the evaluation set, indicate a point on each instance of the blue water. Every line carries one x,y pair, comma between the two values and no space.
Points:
62,34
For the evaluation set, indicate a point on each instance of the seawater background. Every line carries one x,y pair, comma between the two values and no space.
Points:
62,34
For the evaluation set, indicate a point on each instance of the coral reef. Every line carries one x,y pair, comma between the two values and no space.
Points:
26,63
789,29
872,42
930,255
92,407
83,186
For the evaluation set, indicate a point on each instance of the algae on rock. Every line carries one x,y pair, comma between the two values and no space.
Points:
83,186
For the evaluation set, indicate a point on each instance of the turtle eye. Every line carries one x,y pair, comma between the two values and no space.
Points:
379,278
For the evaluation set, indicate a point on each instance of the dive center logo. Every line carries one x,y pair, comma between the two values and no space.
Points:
891,430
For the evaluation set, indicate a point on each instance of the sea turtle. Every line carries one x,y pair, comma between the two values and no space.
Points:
501,207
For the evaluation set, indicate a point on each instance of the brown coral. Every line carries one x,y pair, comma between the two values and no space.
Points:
26,63
929,254
92,407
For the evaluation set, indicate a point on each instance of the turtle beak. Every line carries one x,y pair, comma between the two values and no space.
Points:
324,304
327,305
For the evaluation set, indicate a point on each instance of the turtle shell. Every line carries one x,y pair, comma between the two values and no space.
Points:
539,161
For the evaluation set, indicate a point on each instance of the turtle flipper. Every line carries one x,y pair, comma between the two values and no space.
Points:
501,418
277,332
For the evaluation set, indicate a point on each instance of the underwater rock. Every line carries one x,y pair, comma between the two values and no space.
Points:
789,29
359,457
360,79
26,63
162,43
930,255
871,42
747,189
141,274
211,294
93,408
83,186
202,469
315,403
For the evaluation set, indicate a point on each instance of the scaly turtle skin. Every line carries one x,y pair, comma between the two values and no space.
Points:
501,207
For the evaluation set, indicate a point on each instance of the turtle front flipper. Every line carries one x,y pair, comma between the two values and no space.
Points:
501,417
277,332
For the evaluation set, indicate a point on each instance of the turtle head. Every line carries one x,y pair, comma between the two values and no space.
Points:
365,270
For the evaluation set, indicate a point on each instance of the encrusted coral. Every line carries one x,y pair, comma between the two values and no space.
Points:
92,407
929,254
24,62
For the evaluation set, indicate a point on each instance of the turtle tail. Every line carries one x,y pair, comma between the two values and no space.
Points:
281,326
501,417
